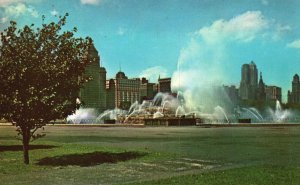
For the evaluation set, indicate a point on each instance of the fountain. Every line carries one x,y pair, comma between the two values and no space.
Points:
82,115
110,115
219,113
279,115
166,109
133,106
180,111
250,114
256,112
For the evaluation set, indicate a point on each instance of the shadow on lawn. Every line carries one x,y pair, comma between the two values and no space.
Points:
6,148
89,159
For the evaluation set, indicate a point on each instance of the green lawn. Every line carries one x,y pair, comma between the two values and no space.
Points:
157,155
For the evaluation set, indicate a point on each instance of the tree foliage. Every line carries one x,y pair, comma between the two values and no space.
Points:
42,70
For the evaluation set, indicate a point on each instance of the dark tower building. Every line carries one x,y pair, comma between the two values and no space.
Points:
294,96
248,85
244,85
93,94
146,90
164,85
261,91
110,94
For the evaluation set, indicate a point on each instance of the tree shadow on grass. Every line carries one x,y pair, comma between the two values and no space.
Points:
16,148
89,159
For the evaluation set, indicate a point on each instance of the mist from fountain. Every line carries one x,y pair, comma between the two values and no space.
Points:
270,115
110,115
180,111
255,111
279,115
219,113
250,114
82,115
133,107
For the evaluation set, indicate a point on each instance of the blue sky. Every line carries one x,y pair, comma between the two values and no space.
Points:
195,42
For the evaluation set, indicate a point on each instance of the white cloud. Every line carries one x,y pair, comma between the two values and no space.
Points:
265,2
4,3
153,73
121,31
244,27
4,19
294,44
32,11
54,12
280,30
90,2
17,10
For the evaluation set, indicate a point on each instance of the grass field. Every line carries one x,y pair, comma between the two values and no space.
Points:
154,155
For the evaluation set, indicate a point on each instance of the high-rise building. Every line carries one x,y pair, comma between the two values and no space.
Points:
164,85
249,83
146,90
93,94
126,91
273,93
110,94
294,95
261,91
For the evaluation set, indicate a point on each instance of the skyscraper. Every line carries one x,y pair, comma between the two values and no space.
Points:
294,95
93,94
110,94
164,85
125,91
273,93
261,91
146,90
249,83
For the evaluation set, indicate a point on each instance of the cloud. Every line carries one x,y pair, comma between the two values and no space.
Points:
4,3
121,31
32,11
280,30
90,2
4,19
17,10
265,2
294,44
153,73
54,12
244,27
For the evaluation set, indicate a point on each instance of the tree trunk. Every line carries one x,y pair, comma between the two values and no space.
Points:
26,138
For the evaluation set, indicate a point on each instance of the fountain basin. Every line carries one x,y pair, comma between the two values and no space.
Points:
170,121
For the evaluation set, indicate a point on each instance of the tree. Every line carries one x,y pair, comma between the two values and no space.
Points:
41,72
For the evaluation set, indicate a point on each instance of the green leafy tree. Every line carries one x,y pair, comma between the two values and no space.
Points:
42,70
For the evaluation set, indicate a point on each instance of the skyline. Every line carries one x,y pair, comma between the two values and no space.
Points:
200,38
